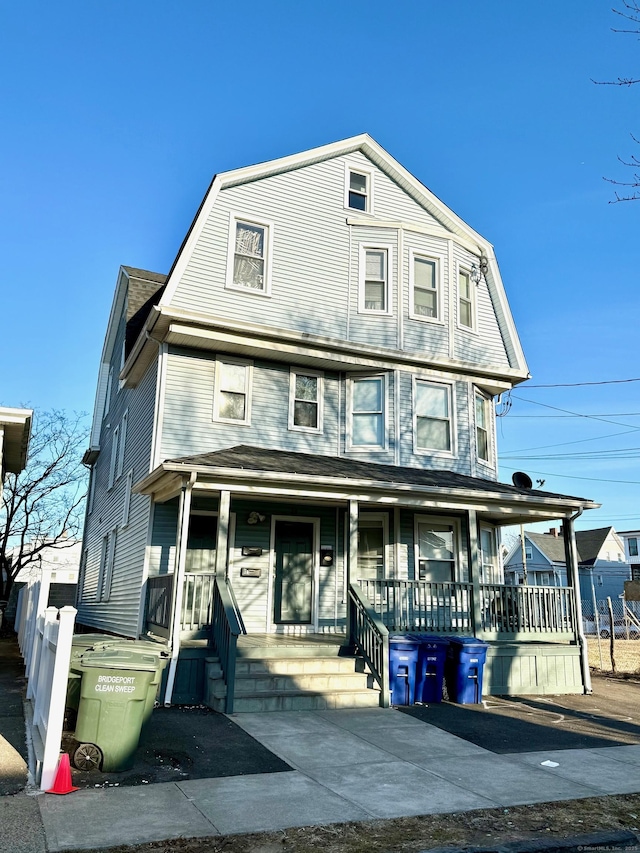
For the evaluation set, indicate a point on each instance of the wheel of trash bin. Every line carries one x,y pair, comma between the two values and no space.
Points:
87,757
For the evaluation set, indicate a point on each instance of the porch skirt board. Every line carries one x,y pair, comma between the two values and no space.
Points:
534,668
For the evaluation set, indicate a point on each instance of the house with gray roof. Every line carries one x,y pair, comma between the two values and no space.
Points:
602,564
293,452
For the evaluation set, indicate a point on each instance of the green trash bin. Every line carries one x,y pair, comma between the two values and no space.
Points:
117,693
80,643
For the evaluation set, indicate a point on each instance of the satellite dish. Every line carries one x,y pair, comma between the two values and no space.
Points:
521,480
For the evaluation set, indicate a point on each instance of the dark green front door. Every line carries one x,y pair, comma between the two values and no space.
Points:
293,588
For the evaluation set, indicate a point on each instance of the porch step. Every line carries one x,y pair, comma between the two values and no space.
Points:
304,676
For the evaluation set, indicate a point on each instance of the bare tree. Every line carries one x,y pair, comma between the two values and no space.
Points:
43,506
630,12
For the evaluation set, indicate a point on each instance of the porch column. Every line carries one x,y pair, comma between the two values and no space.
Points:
571,559
474,570
222,541
352,562
178,585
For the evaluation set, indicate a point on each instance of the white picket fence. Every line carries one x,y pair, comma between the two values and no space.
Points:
45,635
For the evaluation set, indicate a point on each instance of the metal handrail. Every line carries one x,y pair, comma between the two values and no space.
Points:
370,638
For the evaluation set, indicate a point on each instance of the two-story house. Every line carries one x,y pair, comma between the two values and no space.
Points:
293,449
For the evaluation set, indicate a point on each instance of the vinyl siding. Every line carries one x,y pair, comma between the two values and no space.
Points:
120,613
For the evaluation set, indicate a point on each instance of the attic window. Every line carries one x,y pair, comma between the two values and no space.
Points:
249,255
358,190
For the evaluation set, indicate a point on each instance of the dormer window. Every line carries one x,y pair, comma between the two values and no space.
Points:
248,266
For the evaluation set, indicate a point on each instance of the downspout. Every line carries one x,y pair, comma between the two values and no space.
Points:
178,587
571,553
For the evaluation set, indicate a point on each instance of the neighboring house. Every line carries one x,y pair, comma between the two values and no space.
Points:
15,431
602,563
61,562
294,445
631,539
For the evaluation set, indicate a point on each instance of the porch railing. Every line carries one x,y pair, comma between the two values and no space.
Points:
406,605
197,597
370,638
527,609
226,629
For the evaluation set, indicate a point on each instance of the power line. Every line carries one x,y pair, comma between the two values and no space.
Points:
576,414
573,477
581,384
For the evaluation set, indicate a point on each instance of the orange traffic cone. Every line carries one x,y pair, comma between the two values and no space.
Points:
62,782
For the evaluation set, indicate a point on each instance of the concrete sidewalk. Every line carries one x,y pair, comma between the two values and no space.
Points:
348,765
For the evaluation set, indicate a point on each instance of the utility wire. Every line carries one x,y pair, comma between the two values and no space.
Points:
582,384
573,477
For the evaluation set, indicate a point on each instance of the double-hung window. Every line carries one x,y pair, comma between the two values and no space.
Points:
489,563
424,288
372,539
115,455
358,190
482,427
633,546
368,412
466,311
432,416
305,401
374,280
436,550
232,399
249,258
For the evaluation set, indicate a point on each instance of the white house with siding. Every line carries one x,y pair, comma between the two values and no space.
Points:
293,449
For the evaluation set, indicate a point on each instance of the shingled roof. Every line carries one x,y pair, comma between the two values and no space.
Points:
588,543
305,464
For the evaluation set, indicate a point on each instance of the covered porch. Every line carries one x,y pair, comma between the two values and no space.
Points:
436,572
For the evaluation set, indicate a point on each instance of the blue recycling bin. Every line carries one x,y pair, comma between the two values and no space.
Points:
432,657
464,669
403,664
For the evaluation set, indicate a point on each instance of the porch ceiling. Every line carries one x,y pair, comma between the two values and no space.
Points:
281,474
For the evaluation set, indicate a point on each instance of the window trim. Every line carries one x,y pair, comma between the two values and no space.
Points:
450,387
438,260
126,506
293,373
220,360
464,268
478,395
368,174
113,461
498,567
364,248
455,523
234,219
121,444
365,448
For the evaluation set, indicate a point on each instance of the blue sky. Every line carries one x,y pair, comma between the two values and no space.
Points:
116,115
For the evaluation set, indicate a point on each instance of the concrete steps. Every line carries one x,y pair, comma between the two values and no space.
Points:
304,677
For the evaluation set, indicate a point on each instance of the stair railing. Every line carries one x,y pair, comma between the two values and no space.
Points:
370,639
226,629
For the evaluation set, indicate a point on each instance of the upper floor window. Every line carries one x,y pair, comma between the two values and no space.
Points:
424,293
633,546
232,398
358,190
432,413
482,427
367,412
466,311
115,454
249,256
374,280
305,401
